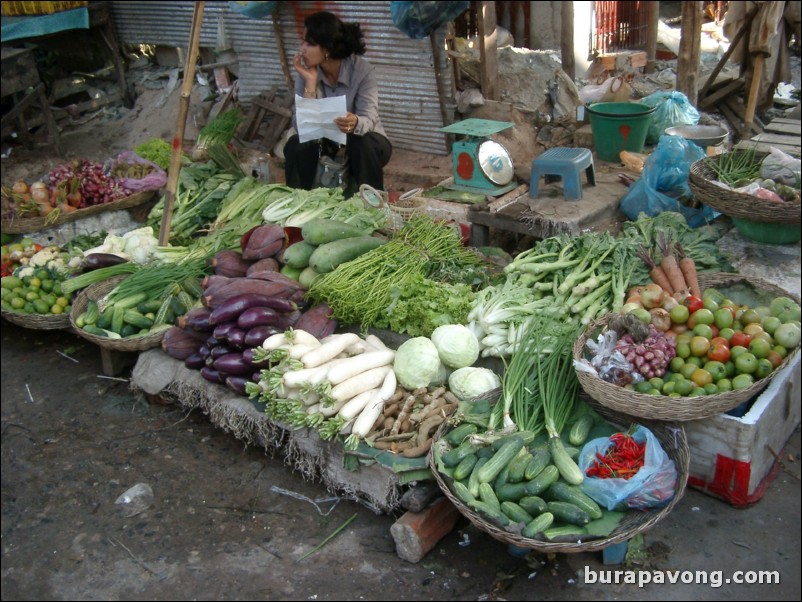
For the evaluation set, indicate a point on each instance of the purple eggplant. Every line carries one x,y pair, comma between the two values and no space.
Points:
196,361
221,330
237,383
196,318
211,374
232,308
213,341
236,338
258,316
232,364
220,350
94,261
257,335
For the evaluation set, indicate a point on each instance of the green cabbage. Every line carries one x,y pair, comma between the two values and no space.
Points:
470,382
417,363
457,345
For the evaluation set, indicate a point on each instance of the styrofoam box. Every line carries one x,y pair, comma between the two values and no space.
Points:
735,459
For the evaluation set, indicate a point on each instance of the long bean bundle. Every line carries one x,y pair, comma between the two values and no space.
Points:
359,290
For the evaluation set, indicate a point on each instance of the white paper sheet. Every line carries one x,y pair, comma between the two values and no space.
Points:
315,118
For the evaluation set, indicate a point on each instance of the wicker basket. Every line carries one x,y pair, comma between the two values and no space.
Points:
672,438
38,321
701,180
95,292
662,407
23,225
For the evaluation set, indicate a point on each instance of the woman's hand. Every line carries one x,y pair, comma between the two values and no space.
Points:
308,73
347,123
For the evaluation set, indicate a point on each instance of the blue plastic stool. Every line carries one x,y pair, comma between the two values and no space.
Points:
565,163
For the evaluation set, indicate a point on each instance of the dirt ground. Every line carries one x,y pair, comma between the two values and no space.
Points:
74,440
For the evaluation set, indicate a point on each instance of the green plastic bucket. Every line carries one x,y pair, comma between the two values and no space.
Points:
619,126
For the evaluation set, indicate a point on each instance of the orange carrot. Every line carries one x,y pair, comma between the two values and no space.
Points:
656,273
670,266
689,271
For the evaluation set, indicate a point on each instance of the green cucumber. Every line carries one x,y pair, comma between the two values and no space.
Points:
117,315
488,496
320,231
568,513
540,459
563,492
462,493
510,492
465,467
515,513
329,255
491,513
92,312
538,525
500,459
297,254
580,430
518,466
543,481
565,531
291,272
567,467
473,480
533,504
455,437
454,456
134,318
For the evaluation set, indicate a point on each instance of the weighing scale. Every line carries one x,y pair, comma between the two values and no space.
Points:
480,165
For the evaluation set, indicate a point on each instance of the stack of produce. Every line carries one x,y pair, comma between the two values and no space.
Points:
33,278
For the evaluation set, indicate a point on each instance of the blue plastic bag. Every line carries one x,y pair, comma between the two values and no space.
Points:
664,181
673,108
253,10
419,19
653,485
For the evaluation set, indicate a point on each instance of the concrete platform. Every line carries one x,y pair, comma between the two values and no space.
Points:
550,214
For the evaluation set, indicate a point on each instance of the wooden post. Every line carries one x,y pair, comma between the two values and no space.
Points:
488,56
689,49
653,19
181,122
567,38
751,102
282,54
439,59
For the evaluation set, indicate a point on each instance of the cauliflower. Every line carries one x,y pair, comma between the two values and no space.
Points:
45,256
50,258
23,272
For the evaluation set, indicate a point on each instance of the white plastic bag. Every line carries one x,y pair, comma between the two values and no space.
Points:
781,167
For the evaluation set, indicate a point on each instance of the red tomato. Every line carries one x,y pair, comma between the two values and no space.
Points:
718,352
720,340
740,338
693,303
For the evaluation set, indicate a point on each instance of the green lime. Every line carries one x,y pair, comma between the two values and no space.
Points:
643,387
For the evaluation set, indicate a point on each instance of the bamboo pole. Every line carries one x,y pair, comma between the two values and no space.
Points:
181,122
488,55
653,18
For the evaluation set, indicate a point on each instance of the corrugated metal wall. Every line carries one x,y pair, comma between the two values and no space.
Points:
409,101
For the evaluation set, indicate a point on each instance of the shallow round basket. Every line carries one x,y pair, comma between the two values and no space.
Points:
663,407
672,438
702,178
96,292
38,321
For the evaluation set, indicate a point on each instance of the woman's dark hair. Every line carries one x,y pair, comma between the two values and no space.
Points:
340,39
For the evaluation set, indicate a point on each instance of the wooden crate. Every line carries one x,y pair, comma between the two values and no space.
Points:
735,459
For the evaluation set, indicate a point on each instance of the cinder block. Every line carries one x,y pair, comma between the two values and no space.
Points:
583,137
415,533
